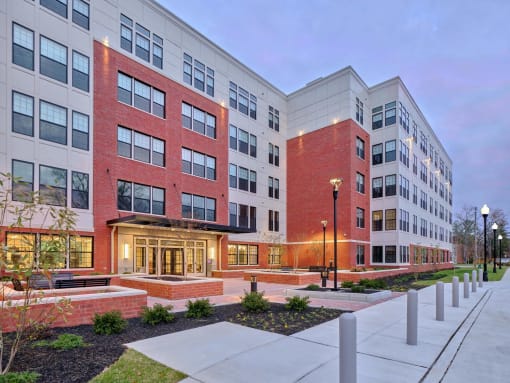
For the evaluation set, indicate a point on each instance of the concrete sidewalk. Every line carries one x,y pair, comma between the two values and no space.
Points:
457,349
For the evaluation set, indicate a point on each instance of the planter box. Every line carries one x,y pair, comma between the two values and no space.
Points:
284,277
341,295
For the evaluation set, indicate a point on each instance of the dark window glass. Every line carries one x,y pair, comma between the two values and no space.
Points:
186,155
391,185
80,190
57,6
186,116
158,201
377,254
377,220
124,195
253,181
377,121
390,254
142,47
80,71
158,103
233,137
210,211
158,152
53,60
23,181
199,121
377,187
22,114
199,164
124,88
186,203
232,214
253,218
391,151
253,146
80,131
124,142
243,178
142,98
22,46
232,176
199,207
53,185
81,13
142,148
157,56
211,168
126,38
53,123
377,154
243,215
142,198
243,141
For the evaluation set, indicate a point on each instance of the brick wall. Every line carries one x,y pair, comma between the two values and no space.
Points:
284,278
175,290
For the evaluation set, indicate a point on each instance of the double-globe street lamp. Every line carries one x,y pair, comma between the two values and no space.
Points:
485,212
500,238
494,255
324,272
335,182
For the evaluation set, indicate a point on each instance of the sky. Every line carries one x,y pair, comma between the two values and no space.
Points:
453,56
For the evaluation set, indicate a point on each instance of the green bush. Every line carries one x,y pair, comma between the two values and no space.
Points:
157,314
200,308
19,377
109,323
312,287
255,302
376,284
358,289
347,284
63,342
297,303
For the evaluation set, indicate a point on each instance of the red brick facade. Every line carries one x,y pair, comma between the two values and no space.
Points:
313,159
176,290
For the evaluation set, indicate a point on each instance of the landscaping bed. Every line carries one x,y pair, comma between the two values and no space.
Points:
83,363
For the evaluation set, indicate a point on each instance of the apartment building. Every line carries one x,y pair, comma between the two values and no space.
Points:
179,159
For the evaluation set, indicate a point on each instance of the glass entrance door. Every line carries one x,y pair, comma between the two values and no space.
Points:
172,261
195,257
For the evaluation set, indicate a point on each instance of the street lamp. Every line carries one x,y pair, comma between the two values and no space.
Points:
500,238
494,229
324,271
485,212
335,182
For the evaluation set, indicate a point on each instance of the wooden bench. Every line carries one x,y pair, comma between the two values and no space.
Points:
82,282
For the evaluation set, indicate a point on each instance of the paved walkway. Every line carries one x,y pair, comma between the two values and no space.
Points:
473,342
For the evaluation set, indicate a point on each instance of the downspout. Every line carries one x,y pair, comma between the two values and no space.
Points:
219,251
112,250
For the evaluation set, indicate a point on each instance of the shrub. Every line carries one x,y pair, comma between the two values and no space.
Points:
255,302
376,284
347,284
200,308
157,314
358,289
64,342
109,323
312,287
19,377
297,303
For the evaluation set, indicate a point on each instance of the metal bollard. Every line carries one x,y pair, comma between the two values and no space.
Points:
348,348
473,281
466,285
480,278
455,292
412,317
253,284
440,301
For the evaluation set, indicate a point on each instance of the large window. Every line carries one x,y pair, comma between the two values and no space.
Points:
377,187
22,114
52,122
198,75
360,218
198,164
273,187
53,60
80,190
80,71
360,148
242,100
22,46
390,219
21,249
391,151
391,185
139,146
390,113
53,185
274,154
198,121
242,178
198,207
390,255
274,221
360,183
243,216
242,141
377,254
80,131
377,154
274,255
377,220
140,198
23,181
360,254
274,118
146,98
243,254
80,252
81,13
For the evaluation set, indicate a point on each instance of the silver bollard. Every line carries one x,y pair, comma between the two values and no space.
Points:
480,278
466,285
348,348
412,317
455,292
440,301
473,281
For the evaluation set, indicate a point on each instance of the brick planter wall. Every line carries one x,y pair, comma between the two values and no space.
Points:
192,288
303,278
376,274
228,273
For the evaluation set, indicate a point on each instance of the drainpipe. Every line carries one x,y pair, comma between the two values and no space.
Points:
219,251
112,250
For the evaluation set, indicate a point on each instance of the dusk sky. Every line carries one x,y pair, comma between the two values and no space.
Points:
453,56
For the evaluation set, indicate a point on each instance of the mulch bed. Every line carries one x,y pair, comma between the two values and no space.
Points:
84,363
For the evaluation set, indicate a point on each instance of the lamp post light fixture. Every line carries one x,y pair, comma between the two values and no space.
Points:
500,238
324,270
485,212
335,182
494,230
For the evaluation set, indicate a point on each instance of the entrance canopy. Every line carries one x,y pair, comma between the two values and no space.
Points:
162,222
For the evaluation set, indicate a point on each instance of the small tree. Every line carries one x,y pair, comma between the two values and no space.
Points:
16,264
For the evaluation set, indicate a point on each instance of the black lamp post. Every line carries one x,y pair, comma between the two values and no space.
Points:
500,238
335,182
494,230
485,212
324,272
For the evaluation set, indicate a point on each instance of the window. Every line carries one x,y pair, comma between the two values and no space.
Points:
403,117
210,82
415,224
391,151
404,187
244,216
197,74
158,103
390,255
22,114
124,88
139,146
53,185
377,254
146,98
391,185
404,220
415,194
404,153
377,154
253,107
198,123
243,254
233,95
423,200
52,123
360,183
142,43
158,152
274,221
53,60
275,255
80,131
22,46
253,181
80,252
274,154
142,147
23,181
377,187
274,119
360,254
124,193
81,13
232,214
80,190
232,175
242,100
142,99
360,148
273,187
126,33
377,220
157,51
415,164
57,6
390,113
25,246
140,198
253,146
390,219
360,218
243,141
377,118
359,111
198,207
243,179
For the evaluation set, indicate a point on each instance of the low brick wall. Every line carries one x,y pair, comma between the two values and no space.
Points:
290,278
192,288
128,301
376,274
228,273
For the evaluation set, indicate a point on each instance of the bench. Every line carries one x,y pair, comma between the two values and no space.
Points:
286,268
41,281
81,282
317,269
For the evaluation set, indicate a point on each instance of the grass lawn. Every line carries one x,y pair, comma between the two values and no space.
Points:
447,275
133,367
